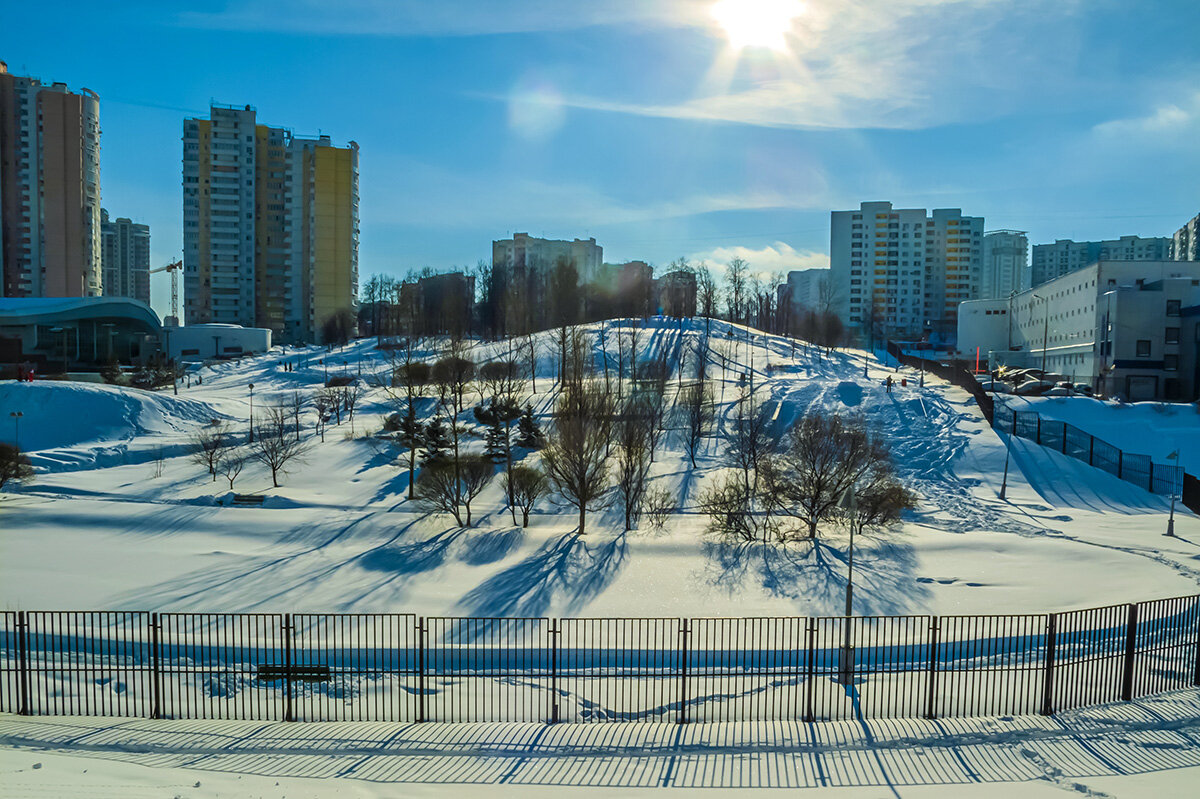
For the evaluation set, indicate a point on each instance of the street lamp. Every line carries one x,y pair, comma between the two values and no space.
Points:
16,417
251,439
1174,456
848,503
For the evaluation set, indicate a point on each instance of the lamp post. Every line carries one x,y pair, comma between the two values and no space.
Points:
251,439
1174,456
848,503
16,417
1004,483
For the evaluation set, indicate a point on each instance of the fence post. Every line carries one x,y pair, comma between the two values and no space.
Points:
287,667
684,632
1120,463
23,663
1039,430
1196,668
554,671
155,670
421,630
1064,434
809,714
935,626
1048,683
1130,648
1091,450
1151,488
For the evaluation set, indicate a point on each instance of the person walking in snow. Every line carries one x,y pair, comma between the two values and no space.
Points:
888,384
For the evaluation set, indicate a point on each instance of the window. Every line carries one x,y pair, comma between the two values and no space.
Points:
1172,307
1172,335
1143,348
1171,363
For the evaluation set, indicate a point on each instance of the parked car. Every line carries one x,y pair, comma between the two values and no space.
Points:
1033,388
996,387
1057,391
1084,389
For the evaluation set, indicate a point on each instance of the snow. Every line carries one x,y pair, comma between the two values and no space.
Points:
1144,749
98,529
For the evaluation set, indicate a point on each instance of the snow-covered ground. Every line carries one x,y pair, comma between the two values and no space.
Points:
98,529
1147,749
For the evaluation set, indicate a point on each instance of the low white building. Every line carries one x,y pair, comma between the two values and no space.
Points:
212,340
1127,328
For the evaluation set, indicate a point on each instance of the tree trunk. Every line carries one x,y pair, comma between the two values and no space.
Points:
274,480
524,517
412,468
812,529
582,518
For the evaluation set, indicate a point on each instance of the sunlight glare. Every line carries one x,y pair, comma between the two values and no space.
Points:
757,23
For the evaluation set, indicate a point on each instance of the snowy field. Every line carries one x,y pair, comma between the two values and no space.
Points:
105,524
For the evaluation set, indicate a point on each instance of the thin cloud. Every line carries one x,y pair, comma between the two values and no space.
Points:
1166,119
776,257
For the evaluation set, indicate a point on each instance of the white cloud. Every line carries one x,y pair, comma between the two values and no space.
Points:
1167,119
764,261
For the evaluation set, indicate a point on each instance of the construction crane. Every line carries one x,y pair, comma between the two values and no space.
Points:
175,267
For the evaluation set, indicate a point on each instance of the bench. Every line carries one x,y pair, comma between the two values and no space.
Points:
270,672
249,499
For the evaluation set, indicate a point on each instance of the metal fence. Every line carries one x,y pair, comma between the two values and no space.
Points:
1068,439
400,667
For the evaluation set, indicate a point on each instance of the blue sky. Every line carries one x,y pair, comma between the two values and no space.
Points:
637,122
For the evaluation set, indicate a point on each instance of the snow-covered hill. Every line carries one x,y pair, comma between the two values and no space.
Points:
98,528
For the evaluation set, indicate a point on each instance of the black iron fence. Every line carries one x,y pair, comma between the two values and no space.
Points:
1068,439
400,667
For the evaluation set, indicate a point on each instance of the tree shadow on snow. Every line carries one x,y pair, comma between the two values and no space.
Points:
570,569
813,574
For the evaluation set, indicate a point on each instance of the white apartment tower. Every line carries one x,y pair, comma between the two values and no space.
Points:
270,225
49,189
902,272
125,251
1065,256
1005,261
1185,244
541,255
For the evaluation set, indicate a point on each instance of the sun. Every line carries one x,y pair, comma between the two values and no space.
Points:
757,23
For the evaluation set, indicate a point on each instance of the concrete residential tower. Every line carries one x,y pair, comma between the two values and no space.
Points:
1065,256
1005,261
125,254
49,189
270,225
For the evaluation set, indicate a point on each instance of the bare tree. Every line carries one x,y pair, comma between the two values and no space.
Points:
14,465
474,473
209,444
574,455
733,510
324,400
826,455
632,437
450,488
706,295
748,440
232,464
880,499
736,275
659,504
525,485
274,446
297,407
695,413
350,395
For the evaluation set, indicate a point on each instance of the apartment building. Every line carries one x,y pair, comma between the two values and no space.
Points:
1005,263
1185,244
898,272
1065,256
270,225
125,257
523,251
49,189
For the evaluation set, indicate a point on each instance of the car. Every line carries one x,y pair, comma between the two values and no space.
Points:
995,387
1033,388
1084,389
1057,391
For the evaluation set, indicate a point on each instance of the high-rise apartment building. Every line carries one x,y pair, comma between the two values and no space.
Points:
541,255
1185,244
902,272
125,256
1065,256
270,225
1005,261
49,189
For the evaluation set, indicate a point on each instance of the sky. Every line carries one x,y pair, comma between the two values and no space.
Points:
664,128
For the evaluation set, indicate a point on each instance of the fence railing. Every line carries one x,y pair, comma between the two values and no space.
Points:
401,667
1157,478
954,372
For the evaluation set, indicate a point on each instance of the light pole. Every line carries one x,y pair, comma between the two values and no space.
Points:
16,417
1174,456
251,439
848,503
1004,483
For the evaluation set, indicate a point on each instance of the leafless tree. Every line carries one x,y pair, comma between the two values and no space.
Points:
632,438
695,412
748,440
706,295
525,485
209,443
450,488
297,407
880,499
232,464
736,276
350,395
502,381
826,455
574,455
324,400
14,465
733,510
274,446
659,504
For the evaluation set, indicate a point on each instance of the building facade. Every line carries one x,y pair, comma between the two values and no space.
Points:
49,189
808,289
1065,256
270,225
523,251
1185,244
902,272
1005,263
1126,328
125,258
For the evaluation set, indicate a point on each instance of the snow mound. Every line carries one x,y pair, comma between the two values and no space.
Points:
63,415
